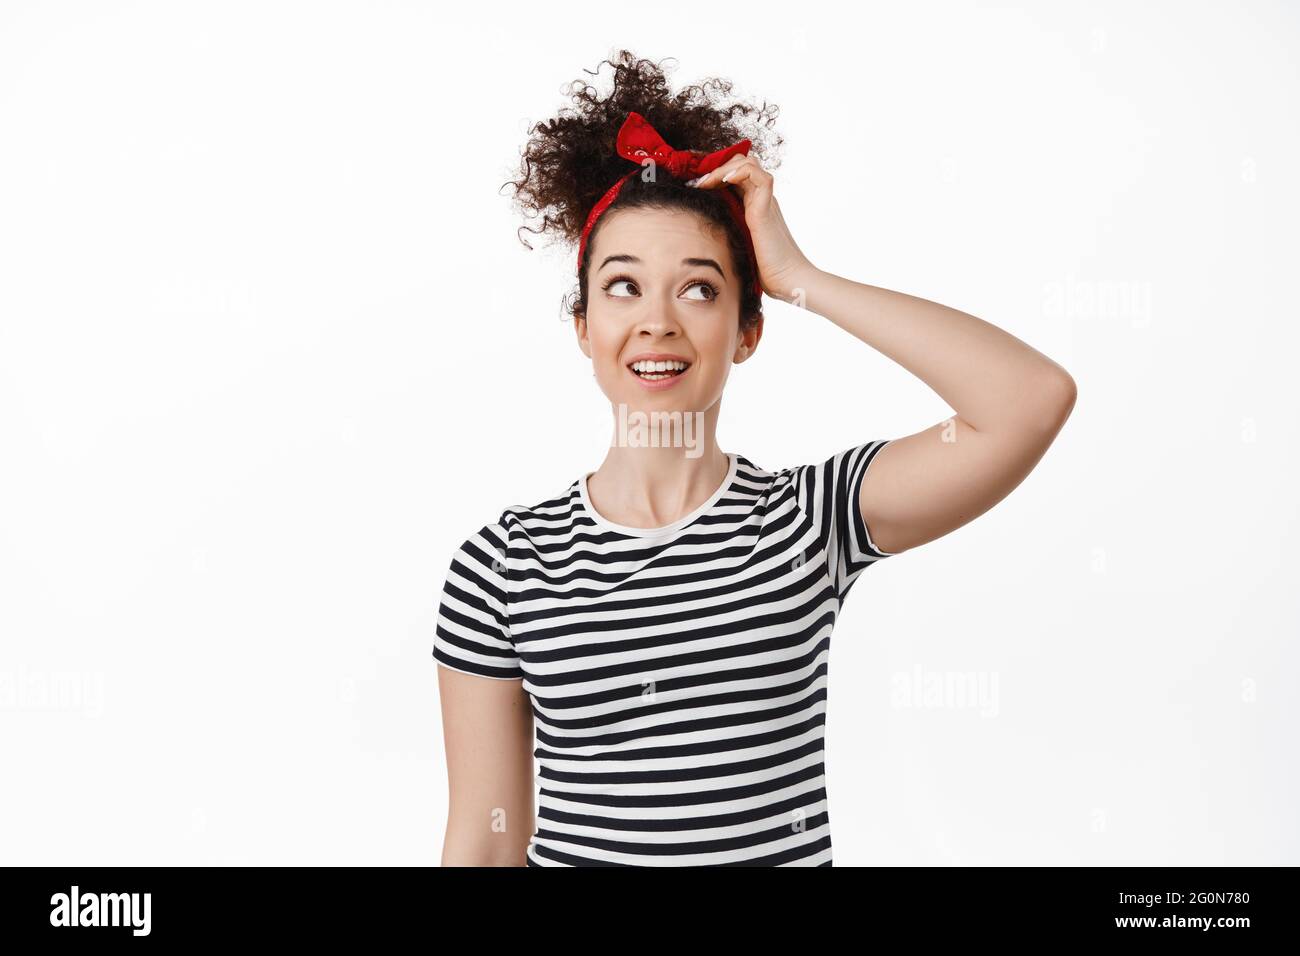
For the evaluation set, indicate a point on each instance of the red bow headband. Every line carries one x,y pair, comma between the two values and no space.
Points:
638,141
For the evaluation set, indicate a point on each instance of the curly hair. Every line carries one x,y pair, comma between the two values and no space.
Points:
569,161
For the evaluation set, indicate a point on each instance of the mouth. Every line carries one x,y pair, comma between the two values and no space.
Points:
658,373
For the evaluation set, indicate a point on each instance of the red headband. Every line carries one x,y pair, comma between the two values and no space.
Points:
638,141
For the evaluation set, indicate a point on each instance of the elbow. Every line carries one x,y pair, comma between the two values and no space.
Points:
466,844
1059,395
1049,402
484,856
1063,393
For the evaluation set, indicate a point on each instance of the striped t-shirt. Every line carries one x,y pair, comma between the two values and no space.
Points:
677,675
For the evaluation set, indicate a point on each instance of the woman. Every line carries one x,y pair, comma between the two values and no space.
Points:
659,630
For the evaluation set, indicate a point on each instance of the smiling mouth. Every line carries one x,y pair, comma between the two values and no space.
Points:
658,376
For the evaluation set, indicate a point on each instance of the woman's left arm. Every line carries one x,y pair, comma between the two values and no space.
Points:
1009,399
1009,402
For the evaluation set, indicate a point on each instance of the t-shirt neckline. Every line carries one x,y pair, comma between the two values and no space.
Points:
665,529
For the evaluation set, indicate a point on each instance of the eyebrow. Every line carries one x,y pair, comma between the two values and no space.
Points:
624,257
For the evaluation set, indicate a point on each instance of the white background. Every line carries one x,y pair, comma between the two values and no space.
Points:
270,349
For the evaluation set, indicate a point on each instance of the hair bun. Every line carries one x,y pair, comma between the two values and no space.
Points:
569,161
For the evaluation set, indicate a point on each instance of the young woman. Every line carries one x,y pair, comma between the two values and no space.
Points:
657,633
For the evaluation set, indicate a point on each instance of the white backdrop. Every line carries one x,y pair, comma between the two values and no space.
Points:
270,349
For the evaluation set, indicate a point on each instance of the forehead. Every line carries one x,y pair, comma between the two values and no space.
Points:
664,236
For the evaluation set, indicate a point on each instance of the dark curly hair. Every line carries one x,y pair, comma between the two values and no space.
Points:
569,161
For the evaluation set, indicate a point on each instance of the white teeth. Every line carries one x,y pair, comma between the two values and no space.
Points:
669,365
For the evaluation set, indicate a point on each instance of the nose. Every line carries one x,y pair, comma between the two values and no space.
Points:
658,319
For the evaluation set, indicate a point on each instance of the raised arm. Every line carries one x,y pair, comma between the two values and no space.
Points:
1009,402
487,727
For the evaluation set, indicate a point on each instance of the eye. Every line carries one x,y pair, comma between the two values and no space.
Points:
618,280
709,291
712,293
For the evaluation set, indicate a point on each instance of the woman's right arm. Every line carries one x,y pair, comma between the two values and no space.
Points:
487,727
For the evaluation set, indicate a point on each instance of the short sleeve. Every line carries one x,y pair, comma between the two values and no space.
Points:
472,634
827,493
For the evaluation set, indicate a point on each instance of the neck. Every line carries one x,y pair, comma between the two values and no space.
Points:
648,486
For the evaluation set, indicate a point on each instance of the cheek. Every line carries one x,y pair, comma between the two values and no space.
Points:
606,343
717,344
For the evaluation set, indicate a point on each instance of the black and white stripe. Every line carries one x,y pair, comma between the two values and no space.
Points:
677,675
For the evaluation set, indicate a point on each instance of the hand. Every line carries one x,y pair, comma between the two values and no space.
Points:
781,263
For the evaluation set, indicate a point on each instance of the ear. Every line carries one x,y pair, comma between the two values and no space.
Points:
580,330
747,341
